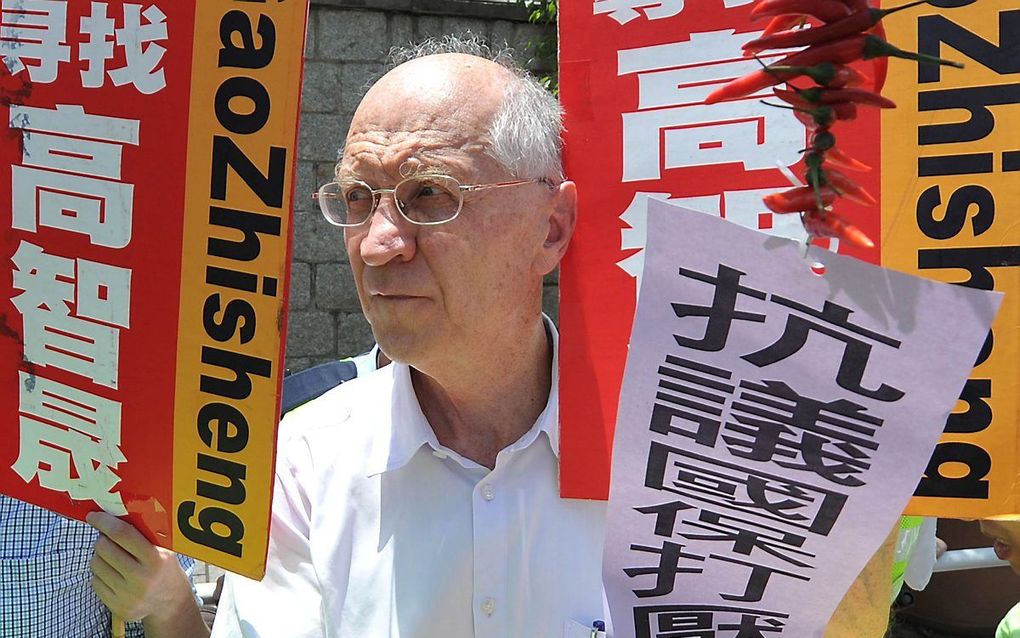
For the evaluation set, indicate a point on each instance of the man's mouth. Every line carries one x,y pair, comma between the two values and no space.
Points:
391,292
1002,550
396,297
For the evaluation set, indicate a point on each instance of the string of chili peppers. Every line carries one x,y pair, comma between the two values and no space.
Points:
840,33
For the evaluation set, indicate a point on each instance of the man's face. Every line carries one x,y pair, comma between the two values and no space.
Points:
1007,540
433,293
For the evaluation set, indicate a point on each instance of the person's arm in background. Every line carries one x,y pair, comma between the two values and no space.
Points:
139,581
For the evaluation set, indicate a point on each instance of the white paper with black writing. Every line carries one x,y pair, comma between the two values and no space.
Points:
773,424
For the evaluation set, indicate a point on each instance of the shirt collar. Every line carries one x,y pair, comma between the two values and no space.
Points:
409,430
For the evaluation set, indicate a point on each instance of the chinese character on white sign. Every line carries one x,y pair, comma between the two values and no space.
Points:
71,183
70,440
690,133
79,342
34,38
141,53
623,11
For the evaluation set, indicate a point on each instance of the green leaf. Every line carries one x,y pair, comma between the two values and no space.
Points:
544,49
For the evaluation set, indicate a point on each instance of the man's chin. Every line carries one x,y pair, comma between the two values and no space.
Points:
400,343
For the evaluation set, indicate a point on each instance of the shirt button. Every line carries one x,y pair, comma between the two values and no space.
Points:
489,606
488,493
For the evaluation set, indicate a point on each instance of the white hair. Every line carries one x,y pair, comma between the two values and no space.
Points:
524,136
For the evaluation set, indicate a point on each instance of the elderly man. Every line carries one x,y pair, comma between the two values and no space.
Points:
422,500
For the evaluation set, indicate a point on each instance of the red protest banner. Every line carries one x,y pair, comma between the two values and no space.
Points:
147,177
634,75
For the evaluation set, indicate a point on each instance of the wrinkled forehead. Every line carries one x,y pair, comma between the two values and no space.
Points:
425,112
380,152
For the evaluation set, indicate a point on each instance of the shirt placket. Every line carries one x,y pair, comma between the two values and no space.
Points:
489,517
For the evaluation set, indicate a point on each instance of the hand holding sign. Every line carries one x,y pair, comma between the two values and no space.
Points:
139,581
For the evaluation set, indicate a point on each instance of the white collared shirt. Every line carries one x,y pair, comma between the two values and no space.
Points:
380,531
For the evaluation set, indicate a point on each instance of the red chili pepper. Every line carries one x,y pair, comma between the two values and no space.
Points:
782,23
838,158
856,5
857,22
856,79
839,52
818,175
824,10
833,97
821,118
807,37
807,119
829,75
845,111
848,188
799,199
840,111
748,84
813,117
829,224
880,66
794,99
854,48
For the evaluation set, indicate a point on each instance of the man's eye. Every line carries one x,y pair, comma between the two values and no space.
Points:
429,190
357,195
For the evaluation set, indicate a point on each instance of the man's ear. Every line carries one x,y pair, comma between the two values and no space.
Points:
561,222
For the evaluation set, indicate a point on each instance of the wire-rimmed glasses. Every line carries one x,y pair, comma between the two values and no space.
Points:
425,200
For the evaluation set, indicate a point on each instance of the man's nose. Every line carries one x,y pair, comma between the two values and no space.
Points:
389,236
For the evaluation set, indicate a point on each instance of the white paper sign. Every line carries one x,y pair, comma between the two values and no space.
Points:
773,424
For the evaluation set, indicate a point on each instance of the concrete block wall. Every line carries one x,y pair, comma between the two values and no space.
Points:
346,49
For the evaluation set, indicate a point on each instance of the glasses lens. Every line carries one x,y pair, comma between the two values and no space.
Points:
429,199
329,203
335,201
353,203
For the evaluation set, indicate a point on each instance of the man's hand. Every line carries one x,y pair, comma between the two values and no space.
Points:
139,581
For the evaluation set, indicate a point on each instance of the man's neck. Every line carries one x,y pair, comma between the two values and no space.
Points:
489,401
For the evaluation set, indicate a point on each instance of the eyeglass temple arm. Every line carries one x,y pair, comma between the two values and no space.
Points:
516,182
318,195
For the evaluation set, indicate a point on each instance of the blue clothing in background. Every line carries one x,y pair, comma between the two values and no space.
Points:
45,574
